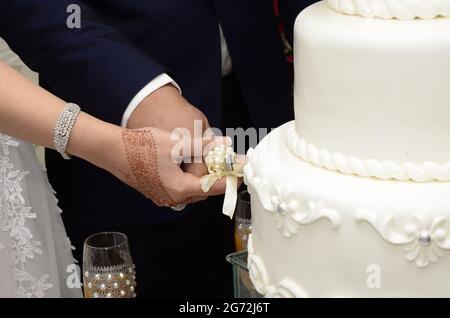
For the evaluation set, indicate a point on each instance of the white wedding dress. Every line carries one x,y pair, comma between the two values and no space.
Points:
35,253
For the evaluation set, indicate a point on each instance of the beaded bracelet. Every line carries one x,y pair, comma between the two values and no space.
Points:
63,128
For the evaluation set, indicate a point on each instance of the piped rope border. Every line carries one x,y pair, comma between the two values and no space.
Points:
352,165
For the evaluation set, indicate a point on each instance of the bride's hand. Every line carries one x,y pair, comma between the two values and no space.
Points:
149,161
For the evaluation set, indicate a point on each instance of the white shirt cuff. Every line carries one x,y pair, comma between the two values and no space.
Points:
158,82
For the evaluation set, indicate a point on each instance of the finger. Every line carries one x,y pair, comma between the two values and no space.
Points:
218,188
192,186
240,182
206,122
197,169
241,159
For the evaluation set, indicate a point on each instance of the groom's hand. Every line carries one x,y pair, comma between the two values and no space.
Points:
166,109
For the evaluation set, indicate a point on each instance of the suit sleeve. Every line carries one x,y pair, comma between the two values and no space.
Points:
94,66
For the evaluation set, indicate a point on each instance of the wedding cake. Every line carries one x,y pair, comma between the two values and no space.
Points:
352,199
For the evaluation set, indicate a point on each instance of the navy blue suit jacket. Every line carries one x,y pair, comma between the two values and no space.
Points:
120,47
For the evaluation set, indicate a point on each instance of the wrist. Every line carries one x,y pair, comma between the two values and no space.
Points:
109,149
147,112
95,141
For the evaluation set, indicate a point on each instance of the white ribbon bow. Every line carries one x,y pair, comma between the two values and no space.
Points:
221,162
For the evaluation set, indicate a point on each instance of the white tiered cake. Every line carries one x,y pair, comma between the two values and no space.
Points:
352,199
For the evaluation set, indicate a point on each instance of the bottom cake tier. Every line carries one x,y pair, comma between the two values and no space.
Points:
319,233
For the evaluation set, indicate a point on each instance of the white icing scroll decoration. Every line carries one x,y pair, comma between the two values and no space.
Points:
290,209
427,171
258,274
257,270
287,288
423,238
390,9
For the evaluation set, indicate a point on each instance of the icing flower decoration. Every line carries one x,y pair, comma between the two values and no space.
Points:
429,243
424,239
288,211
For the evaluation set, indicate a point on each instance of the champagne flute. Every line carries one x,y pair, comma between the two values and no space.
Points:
242,231
243,221
108,269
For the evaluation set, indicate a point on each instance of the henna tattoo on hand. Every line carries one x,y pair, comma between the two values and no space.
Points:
142,154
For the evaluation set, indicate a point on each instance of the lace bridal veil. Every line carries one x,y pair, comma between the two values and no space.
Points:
35,253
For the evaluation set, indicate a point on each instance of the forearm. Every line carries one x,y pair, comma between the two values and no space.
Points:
30,113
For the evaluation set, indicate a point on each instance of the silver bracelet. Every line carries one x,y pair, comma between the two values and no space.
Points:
63,128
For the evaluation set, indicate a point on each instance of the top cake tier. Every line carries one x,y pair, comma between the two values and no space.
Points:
393,9
372,96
